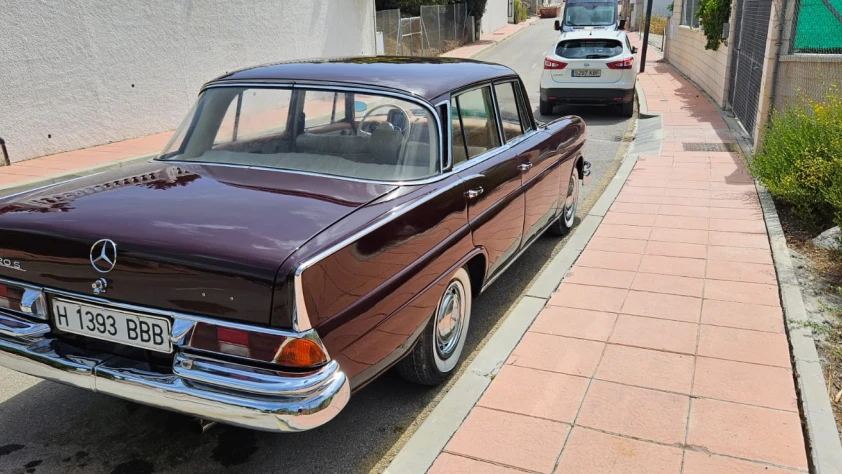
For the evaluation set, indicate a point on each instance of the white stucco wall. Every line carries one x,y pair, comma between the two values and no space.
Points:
496,16
97,71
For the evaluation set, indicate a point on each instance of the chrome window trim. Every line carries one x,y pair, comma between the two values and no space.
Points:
363,90
300,318
495,110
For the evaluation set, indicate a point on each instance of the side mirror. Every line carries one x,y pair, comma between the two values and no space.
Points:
557,25
359,106
634,50
623,24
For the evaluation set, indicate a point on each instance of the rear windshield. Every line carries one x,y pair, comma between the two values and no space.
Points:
337,133
589,48
590,14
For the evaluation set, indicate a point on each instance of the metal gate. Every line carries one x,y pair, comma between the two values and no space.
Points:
752,26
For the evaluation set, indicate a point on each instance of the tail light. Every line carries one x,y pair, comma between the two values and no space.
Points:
23,299
285,351
553,64
621,64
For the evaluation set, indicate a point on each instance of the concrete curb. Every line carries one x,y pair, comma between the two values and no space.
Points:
530,21
642,107
8,190
819,424
435,431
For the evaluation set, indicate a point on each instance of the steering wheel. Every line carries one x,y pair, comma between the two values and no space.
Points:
369,113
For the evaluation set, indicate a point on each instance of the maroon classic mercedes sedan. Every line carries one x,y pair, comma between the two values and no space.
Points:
309,226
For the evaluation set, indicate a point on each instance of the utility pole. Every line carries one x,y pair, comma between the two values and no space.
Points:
646,36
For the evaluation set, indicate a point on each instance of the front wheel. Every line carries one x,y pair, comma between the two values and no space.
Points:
568,211
434,357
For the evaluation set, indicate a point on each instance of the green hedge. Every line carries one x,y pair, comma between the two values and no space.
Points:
800,157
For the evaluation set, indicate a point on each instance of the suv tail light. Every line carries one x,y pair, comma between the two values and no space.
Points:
285,351
621,64
553,64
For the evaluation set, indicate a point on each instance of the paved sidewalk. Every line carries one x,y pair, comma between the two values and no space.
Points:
55,168
663,350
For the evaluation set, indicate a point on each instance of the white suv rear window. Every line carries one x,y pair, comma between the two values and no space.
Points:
589,48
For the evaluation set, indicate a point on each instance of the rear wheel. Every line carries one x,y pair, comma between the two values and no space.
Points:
434,357
568,211
627,109
546,108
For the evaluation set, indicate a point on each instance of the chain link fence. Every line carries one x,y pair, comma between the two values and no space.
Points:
811,52
438,28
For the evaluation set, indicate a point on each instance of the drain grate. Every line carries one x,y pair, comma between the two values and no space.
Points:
693,146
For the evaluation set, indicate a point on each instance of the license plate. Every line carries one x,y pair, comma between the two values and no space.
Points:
147,332
586,73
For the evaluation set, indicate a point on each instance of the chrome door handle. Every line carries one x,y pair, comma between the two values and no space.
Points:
473,193
525,167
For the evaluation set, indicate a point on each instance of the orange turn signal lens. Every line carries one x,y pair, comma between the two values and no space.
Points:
300,353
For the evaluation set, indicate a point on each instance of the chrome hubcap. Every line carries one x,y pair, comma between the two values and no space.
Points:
449,319
570,202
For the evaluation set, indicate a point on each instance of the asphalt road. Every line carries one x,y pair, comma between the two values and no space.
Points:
47,427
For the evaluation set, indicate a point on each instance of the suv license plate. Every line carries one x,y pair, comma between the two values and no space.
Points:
98,322
586,73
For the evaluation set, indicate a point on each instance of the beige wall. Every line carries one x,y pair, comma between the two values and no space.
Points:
686,51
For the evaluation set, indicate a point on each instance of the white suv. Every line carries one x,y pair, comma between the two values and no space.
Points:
590,67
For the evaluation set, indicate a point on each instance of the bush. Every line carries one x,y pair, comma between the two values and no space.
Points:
800,157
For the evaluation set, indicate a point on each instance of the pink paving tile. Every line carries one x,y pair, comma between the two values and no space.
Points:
747,432
696,462
743,345
643,191
741,271
609,260
736,239
668,284
646,368
637,412
635,208
663,306
741,382
754,293
659,334
737,254
571,322
448,463
734,214
637,198
595,298
548,395
705,185
747,204
738,225
557,354
481,437
588,451
681,222
642,220
676,249
685,193
678,266
614,244
742,315
684,211
599,277
622,231
679,235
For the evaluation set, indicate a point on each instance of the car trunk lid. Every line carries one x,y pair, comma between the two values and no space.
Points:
588,61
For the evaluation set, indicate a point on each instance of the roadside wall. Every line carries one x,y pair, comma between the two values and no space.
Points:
496,16
686,51
79,74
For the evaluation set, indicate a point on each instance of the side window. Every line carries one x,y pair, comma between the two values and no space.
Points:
458,150
323,108
510,117
475,112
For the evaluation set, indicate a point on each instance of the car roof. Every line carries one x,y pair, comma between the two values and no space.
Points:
427,77
604,34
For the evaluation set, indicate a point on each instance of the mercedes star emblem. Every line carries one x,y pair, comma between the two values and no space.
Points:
104,255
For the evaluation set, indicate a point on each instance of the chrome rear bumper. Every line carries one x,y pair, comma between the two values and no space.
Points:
230,393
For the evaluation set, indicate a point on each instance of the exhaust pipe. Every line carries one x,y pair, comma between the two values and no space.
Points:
200,426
